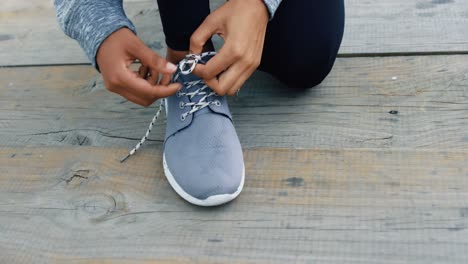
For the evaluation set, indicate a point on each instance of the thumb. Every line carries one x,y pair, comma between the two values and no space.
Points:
152,60
203,33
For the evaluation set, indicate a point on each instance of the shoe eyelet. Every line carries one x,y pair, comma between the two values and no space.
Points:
181,105
217,103
178,94
182,117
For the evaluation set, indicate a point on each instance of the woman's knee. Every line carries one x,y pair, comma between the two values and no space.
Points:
307,72
302,41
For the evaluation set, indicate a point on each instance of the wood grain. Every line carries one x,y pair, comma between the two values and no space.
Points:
80,205
395,102
399,26
30,34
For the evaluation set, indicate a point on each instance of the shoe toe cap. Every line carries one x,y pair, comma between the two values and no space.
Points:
220,183
205,187
205,162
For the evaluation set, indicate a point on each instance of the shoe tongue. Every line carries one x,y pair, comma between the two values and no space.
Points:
192,78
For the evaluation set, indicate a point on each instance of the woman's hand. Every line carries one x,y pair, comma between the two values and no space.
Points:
114,57
242,24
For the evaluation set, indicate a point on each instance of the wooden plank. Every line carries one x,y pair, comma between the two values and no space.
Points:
31,36
399,102
401,26
80,205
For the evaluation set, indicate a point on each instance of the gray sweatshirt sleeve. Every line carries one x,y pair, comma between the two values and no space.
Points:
90,22
272,5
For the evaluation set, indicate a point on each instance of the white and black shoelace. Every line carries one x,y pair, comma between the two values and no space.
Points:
186,66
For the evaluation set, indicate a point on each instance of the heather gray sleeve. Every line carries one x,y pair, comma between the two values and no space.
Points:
90,22
272,5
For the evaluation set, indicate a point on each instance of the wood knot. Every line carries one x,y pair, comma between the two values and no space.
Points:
98,207
81,175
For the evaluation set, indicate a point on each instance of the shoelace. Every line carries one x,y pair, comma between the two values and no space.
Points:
186,66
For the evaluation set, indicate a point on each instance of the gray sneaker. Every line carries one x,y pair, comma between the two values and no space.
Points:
202,158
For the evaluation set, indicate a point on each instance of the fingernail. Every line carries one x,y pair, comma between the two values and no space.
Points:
171,67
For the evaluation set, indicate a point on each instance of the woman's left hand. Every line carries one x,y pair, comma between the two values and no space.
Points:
242,24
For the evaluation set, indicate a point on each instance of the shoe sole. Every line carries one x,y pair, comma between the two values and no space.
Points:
214,200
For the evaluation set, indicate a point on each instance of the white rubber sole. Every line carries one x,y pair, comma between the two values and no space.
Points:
210,201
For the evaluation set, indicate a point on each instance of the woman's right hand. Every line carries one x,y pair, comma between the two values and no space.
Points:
114,57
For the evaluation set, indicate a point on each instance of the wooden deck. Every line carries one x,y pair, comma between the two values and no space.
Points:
369,167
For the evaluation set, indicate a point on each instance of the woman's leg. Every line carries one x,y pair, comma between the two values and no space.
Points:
180,18
302,41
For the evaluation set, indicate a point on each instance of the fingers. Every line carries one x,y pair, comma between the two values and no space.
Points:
165,80
216,65
152,60
222,85
239,82
156,66
142,88
166,90
138,90
143,71
153,77
203,33
230,81
152,63
135,99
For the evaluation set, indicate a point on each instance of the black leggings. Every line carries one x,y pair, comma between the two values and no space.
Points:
301,41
